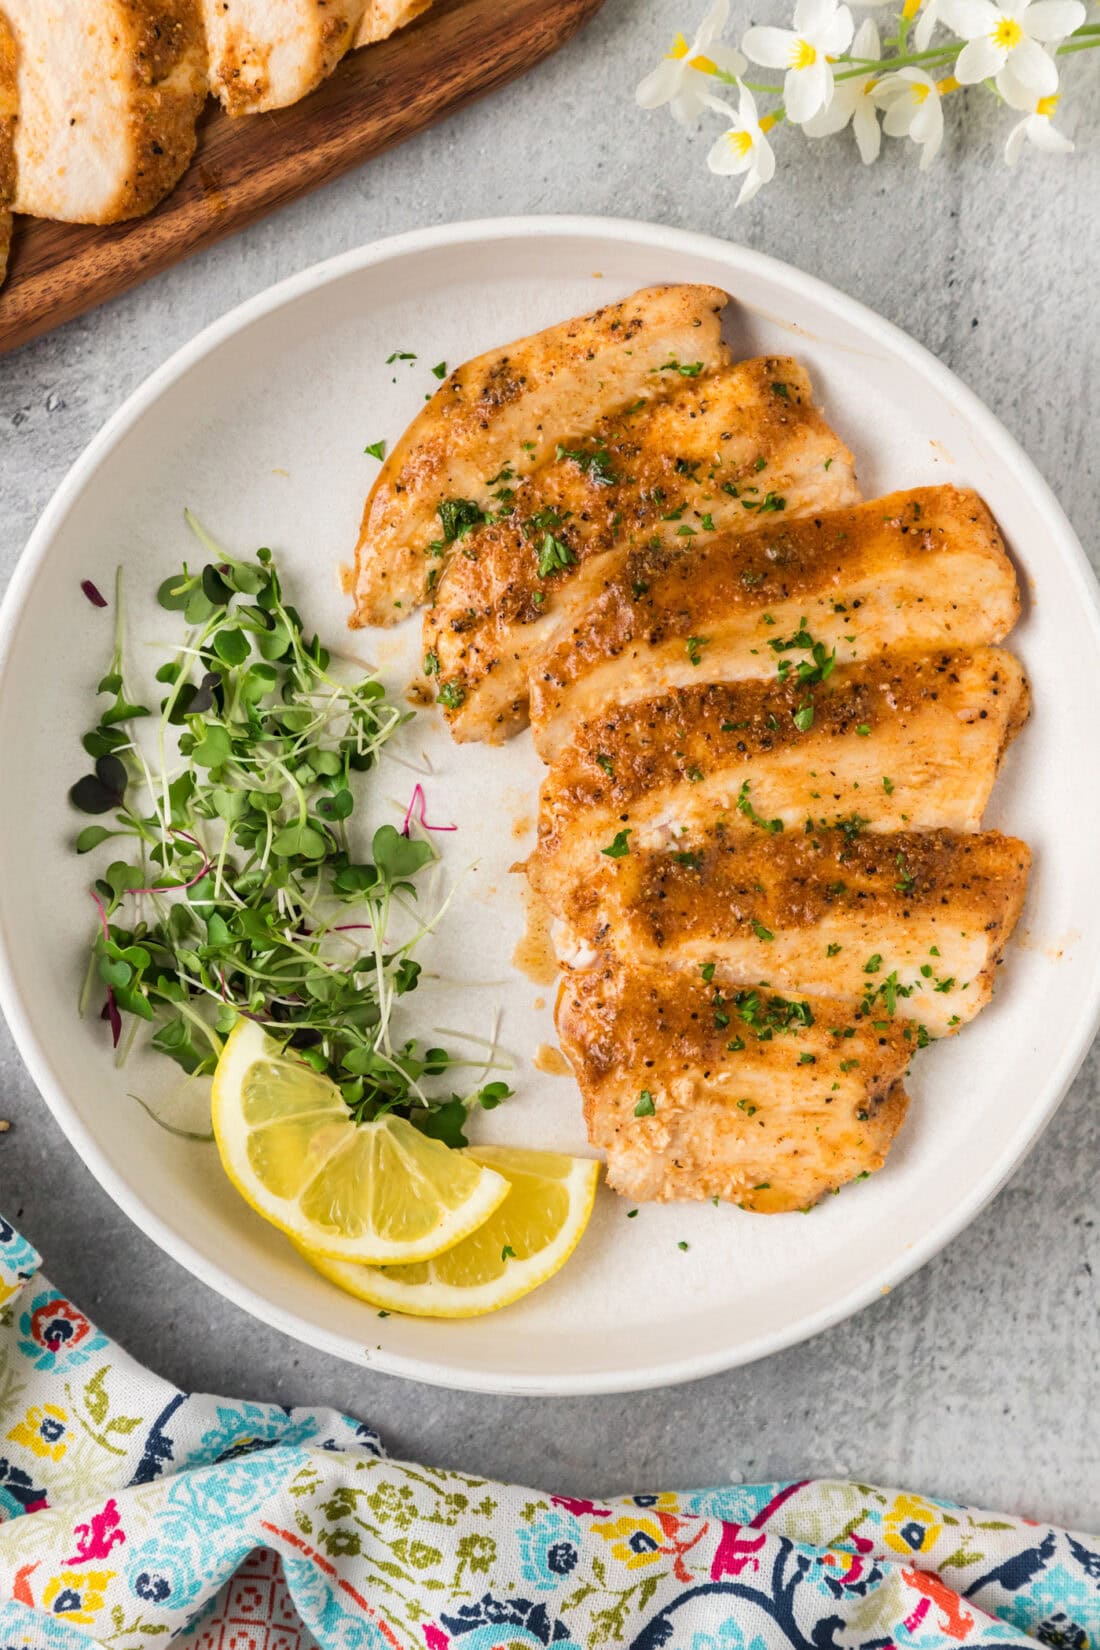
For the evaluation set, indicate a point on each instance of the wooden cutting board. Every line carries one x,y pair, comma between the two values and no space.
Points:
244,168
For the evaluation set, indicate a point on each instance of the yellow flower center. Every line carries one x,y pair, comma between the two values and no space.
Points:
910,9
679,47
803,55
740,143
705,65
920,91
1047,105
768,122
947,84
1008,33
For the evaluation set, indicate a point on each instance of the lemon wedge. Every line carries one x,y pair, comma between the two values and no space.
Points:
528,1238
377,1193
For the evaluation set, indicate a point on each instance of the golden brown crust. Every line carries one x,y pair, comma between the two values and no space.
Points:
766,1101
539,390
168,68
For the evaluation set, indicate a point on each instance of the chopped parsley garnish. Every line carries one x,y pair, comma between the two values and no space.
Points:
376,449
459,516
606,764
695,646
760,931
439,370
707,971
803,717
451,694
747,1107
618,847
888,785
863,730
692,860
595,464
744,806
431,662
767,1015
764,506
782,390
400,355
644,1106
686,369
554,555
873,963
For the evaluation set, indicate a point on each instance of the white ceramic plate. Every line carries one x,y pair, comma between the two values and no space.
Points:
259,425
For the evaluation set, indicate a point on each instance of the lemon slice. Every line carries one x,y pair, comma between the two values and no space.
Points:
373,1192
524,1241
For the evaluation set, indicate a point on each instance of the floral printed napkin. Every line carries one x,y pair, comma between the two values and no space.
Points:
131,1512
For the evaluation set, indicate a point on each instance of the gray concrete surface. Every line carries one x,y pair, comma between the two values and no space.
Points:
977,1378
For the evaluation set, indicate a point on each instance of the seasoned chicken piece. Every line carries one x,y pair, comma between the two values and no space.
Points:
109,92
511,407
740,451
695,1091
9,108
384,17
265,54
919,569
907,922
769,755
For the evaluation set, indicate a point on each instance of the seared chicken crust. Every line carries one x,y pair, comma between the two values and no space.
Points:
936,725
907,922
539,391
737,452
265,54
9,108
919,569
768,1101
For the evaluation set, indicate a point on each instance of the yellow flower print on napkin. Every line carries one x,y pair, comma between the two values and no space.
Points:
912,1525
42,1430
635,1541
77,1595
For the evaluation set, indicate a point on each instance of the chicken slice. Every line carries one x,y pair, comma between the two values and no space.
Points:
740,451
511,407
265,54
9,108
109,92
918,569
935,725
384,17
908,922
695,1091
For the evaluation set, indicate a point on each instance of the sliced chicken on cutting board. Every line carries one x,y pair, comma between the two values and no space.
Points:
908,922
265,54
741,451
109,92
511,407
935,725
919,569
696,1091
384,17
9,106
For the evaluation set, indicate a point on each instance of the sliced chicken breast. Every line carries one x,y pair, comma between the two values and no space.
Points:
384,17
509,409
109,92
696,1091
919,569
908,922
773,756
740,451
9,107
265,54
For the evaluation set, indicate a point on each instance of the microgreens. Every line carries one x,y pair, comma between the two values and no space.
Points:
239,890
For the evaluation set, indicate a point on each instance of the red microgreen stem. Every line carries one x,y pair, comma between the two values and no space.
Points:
417,802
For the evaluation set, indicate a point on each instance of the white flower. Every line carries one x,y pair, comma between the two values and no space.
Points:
911,100
822,29
926,22
684,78
743,147
1008,35
1038,128
852,101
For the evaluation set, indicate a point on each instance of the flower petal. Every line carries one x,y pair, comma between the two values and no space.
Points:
1053,19
807,91
711,26
1014,143
812,16
836,36
771,47
969,18
1013,90
660,86
833,119
726,158
728,58
926,23
1042,132
868,133
866,43
978,60
1034,67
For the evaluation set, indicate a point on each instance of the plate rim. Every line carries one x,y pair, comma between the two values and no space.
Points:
652,236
